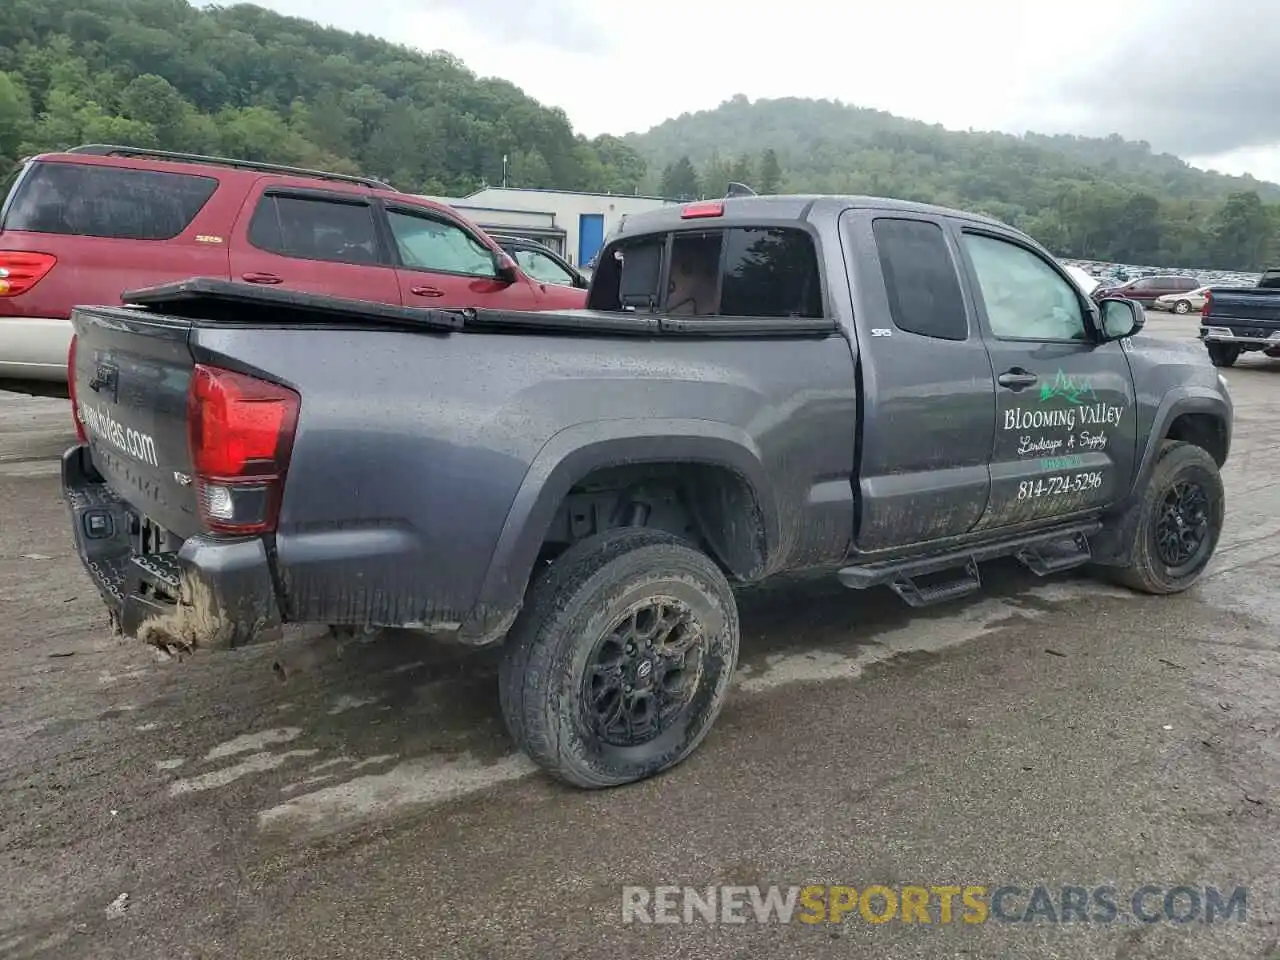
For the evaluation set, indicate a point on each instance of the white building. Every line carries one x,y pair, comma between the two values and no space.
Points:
571,223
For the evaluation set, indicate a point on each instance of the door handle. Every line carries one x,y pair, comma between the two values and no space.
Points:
426,291
267,278
1017,379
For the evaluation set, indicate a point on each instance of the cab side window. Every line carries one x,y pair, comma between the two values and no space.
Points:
920,278
1025,298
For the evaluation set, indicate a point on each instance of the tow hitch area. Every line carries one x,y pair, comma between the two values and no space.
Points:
178,596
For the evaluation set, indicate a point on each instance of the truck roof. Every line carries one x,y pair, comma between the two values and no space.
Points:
785,207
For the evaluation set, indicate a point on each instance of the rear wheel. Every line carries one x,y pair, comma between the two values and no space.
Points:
1182,306
1223,354
1179,520
621,660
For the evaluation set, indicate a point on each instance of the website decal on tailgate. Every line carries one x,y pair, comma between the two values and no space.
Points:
138,445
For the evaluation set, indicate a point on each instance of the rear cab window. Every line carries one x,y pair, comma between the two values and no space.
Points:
92,200
740,272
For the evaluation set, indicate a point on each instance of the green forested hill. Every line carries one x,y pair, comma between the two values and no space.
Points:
1107,199
249,83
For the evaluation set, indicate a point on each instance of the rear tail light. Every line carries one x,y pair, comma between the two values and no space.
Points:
20,270
1208,304
81,436
240,430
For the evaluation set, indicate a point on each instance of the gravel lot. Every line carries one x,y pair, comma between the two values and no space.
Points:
370,805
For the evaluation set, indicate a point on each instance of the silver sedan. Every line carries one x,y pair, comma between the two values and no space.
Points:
1181,302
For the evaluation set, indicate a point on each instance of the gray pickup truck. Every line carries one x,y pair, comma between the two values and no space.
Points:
891,392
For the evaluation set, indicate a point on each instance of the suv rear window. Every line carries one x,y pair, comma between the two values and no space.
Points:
100,201
735,272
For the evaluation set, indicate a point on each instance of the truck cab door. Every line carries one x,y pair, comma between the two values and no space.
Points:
927,391
1066,425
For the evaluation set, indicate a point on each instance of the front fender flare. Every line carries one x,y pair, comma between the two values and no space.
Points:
1114,545
573,453
1179,400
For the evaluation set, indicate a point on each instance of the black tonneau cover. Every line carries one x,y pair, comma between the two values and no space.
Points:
226,301
210,298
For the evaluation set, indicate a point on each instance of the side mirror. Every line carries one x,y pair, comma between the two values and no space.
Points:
580,282
505,268
1120,318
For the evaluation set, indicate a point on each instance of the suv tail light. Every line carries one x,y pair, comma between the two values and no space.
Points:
1208,304
240,430
20,270
81,436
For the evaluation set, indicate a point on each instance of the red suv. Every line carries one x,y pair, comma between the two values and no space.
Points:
83,226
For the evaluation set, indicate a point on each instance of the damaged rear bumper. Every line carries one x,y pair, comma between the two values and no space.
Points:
205,593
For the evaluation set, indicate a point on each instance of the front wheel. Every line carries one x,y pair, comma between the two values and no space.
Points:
1223,354
1179,521
621,660
1182,306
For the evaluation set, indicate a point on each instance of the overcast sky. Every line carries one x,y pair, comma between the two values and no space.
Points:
1192,77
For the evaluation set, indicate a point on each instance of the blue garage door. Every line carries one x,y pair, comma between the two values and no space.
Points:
590,236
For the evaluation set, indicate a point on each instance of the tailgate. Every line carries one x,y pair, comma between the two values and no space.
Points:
1247,305
131,376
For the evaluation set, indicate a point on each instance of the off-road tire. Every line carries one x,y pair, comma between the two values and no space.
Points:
1223,354
1182,307
569,607
1145,571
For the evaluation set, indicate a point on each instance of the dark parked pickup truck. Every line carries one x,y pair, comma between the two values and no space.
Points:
1236,320
888,391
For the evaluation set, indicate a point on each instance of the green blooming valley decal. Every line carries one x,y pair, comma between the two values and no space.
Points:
1071,389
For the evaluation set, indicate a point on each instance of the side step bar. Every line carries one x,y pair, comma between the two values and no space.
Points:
1043,553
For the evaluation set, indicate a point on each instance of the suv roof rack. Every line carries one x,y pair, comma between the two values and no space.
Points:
109,150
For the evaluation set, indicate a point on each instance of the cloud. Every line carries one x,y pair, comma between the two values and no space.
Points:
555,24
1191,79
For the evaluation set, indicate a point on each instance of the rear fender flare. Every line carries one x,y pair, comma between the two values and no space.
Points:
572,454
